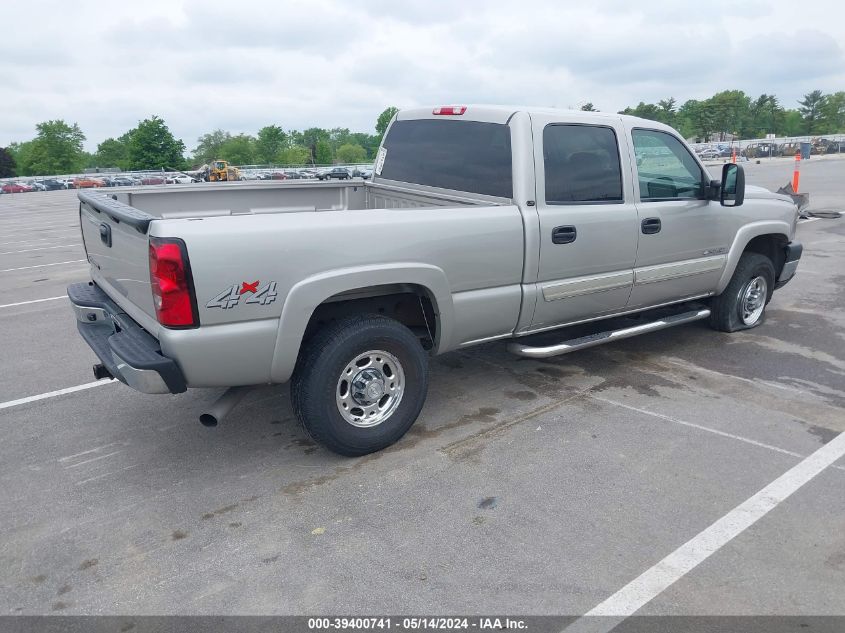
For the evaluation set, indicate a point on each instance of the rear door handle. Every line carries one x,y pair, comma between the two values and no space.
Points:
649,226
564,234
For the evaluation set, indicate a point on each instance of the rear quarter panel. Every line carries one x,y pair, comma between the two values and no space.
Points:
470,259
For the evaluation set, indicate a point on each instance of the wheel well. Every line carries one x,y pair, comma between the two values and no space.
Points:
410,304
772,246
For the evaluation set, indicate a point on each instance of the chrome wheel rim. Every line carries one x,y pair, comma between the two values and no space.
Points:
370,388
753,300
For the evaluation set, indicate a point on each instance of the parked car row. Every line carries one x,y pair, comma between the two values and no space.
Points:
126,180
717,150
333,173
766,149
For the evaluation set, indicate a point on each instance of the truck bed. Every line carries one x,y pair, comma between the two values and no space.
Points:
213,199
287,232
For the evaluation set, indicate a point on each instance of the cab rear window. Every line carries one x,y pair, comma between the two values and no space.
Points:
460,155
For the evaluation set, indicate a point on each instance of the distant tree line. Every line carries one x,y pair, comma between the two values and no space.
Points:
734,113
58,148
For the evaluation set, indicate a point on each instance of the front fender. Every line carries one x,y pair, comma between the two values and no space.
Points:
743,236
309,293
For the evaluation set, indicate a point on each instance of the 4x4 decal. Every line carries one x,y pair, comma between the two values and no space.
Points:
229,298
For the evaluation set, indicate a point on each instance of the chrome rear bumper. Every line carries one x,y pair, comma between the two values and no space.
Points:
125,349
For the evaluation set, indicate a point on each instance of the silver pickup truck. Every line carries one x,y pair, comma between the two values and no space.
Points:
480,223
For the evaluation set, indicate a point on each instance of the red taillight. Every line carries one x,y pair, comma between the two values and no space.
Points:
170,277
449,110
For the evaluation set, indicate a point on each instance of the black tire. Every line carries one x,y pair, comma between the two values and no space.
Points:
319,370
726,310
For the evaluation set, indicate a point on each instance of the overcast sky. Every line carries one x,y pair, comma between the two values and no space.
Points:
238,66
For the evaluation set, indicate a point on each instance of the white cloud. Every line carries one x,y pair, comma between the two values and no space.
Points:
239,66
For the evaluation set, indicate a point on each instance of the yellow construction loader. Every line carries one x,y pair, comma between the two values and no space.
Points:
220,170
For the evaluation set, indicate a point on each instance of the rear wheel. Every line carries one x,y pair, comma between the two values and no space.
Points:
360,384
742,304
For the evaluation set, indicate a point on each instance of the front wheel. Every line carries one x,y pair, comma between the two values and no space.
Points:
360,384
742,304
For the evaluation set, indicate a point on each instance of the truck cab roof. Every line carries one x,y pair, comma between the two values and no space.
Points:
502,114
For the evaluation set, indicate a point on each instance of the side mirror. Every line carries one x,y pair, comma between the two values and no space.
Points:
732,193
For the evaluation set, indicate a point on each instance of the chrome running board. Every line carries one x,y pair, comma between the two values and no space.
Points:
599,338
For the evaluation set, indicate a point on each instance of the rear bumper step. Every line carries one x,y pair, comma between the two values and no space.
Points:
126,351
573,345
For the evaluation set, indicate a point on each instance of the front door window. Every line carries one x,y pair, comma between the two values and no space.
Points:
665,168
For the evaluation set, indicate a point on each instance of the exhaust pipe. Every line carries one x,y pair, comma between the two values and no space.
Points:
223,405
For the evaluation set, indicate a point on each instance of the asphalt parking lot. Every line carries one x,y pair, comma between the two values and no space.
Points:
525,487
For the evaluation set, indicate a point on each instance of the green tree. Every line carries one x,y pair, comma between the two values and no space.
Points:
113,152
695,120
311,138
238,150
152,146
339,136
766,116
314,134
323,153
793,123
644,111
7,163
369,142
56,149
89,161
729,112
833,113
295,155
666,111
588,107
295,138
271,140
811,109
21,153
351,153
208,146
384,120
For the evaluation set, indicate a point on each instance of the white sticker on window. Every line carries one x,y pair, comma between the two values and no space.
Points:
382,155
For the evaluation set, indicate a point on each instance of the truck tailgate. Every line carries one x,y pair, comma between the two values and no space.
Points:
115,239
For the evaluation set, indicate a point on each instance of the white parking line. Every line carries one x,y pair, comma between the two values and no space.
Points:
706,429
53,394
96,449
14,231
35,239
73,261
93,459
696,426
679,563
104,475
23,303
41,248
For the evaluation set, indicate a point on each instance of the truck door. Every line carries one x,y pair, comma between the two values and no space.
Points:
588,220
684,238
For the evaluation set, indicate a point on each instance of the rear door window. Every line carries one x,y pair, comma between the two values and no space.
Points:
581,164
461,155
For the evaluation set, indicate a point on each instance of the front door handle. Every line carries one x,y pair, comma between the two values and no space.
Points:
564,234
649,226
